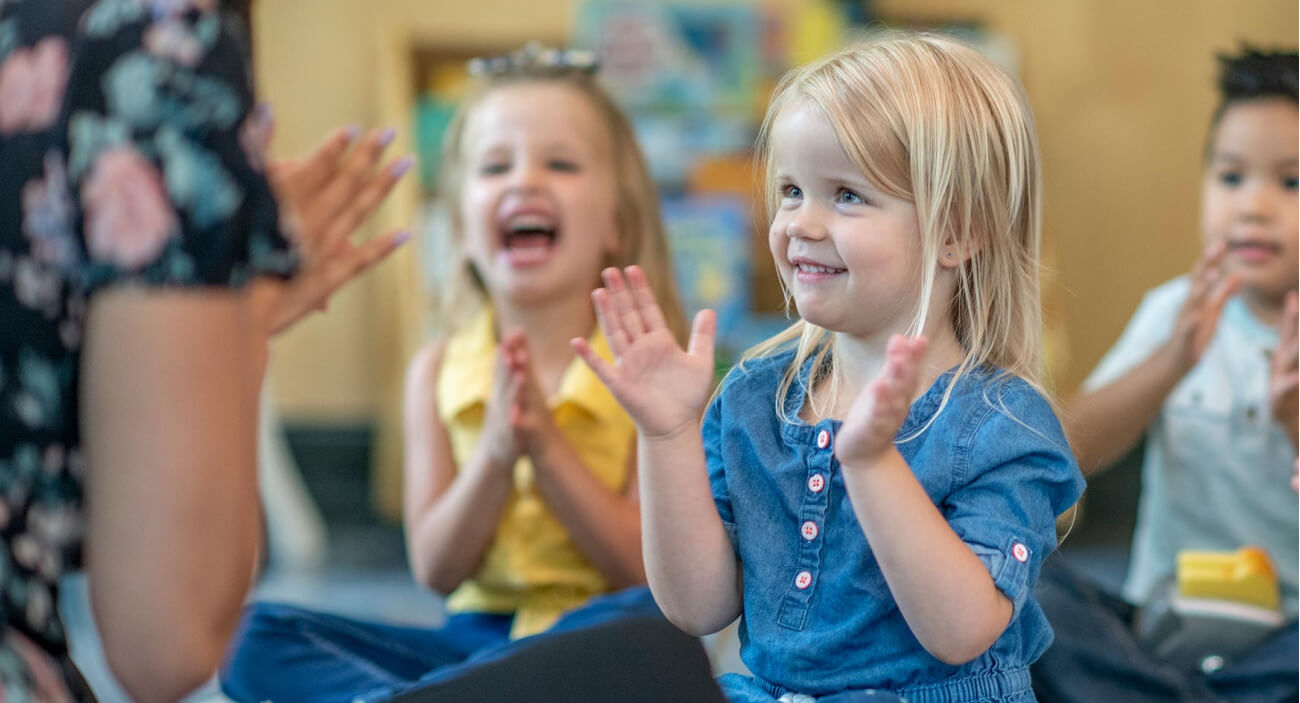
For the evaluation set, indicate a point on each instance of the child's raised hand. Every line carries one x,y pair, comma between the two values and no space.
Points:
1284,378
873,420
530,418
1199,316
499,436
661,386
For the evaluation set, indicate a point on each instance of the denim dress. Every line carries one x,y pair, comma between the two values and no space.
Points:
818,617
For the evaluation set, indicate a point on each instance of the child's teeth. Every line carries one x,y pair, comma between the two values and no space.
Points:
529,222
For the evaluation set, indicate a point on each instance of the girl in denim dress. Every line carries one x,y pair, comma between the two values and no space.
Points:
874,490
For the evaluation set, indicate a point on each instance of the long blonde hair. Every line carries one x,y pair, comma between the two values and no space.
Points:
641,237
929,120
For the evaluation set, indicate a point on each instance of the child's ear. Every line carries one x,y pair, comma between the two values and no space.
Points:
954,252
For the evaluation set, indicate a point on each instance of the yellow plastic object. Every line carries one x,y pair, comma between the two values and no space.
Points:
1245,576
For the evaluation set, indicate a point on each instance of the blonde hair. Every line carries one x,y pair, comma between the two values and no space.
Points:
929,120
641,237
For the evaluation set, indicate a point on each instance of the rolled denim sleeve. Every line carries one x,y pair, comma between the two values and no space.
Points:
712,436
1020,475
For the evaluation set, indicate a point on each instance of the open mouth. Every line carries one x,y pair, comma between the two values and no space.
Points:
529,239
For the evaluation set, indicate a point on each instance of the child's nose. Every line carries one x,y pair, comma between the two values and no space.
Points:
1256,201
526,175
805,224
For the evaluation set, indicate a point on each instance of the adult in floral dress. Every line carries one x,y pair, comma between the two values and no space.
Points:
144,264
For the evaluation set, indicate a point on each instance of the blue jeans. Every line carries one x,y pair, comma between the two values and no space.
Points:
287,654
1096,658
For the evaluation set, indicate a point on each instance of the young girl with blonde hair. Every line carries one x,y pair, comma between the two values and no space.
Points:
520,480
873,491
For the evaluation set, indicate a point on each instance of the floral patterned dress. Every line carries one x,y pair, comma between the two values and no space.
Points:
128,156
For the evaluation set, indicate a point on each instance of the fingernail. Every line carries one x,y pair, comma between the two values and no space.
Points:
402,165
264,112
401,237
387,136
351,132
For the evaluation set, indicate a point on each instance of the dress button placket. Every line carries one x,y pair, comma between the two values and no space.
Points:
820,462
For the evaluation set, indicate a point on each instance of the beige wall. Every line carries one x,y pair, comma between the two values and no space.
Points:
1122,90
318,63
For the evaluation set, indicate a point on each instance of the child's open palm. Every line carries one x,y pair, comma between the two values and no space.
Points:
661,386
1199,317
499,436
1284,377
530,417
873,420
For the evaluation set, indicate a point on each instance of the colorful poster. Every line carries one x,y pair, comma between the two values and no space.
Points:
675,56
710,242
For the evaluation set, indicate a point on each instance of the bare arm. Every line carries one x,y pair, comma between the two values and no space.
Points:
605,525
451,515
169,406
943,590
171,383
1104,424
690,563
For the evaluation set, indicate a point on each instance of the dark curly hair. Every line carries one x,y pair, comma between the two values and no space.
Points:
1252,74
242,8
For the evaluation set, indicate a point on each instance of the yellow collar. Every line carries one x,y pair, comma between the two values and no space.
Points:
470,359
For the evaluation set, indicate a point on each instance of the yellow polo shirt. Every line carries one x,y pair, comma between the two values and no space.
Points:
532,568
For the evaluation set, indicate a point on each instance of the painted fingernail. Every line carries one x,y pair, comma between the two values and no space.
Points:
264,112
352,131
402,165
387,136
401,237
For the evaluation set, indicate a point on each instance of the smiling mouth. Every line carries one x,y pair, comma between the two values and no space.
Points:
805,271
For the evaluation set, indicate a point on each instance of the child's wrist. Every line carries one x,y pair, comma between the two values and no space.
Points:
684,429
550,448
1289,421
870,461
495,455
1174,361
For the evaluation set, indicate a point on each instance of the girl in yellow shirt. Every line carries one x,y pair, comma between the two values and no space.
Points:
520,479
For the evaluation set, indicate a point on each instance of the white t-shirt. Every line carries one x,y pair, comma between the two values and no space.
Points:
1217,469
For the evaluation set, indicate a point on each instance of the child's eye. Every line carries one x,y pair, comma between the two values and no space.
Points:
1230,178
494,168
790,191
1289,182
849,197
563,165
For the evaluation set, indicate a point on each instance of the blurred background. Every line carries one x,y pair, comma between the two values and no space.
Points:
1122,92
